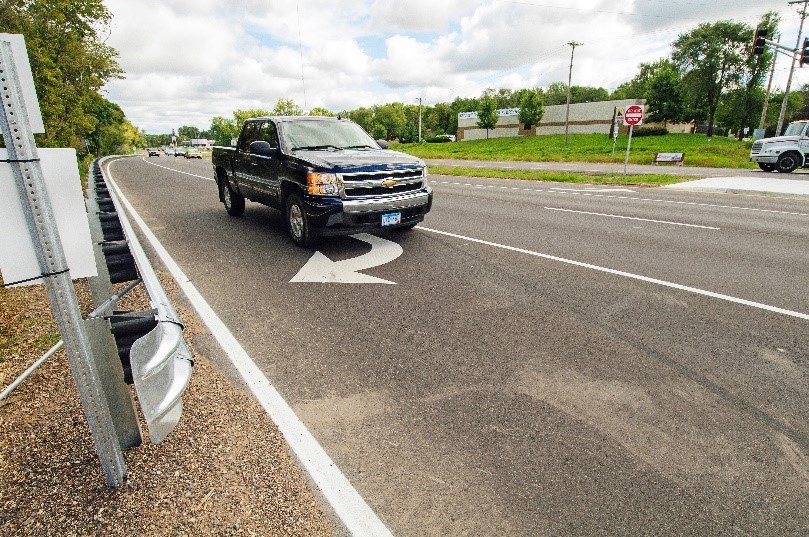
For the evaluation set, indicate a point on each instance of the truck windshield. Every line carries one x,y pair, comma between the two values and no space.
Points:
325,135
795,129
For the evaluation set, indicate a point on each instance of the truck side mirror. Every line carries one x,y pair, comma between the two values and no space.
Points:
260,147
382,144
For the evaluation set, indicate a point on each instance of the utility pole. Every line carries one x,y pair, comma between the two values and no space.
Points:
419,119
803,14
573,46
769,85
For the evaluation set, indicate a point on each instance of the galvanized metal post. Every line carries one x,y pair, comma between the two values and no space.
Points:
24,161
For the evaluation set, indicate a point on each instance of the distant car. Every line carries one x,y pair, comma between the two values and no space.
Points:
179,153
193,153
154,152
169,152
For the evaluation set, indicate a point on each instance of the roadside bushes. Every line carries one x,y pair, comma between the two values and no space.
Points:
437,139
650,131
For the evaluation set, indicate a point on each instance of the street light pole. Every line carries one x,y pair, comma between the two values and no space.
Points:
573,46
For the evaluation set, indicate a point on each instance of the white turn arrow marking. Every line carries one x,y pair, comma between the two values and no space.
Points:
322,269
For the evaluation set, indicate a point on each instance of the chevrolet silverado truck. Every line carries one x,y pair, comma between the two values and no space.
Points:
327,176
783,153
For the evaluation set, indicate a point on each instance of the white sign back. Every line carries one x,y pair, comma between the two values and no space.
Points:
26,80
18,260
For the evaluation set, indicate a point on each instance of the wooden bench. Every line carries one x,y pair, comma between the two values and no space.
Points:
669,157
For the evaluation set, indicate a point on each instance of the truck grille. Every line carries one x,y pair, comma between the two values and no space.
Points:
756,148
381,184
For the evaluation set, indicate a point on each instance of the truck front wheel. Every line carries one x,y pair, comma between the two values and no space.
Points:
297,225
234,203
787,162
767,167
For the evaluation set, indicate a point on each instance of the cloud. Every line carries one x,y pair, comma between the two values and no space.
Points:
188,61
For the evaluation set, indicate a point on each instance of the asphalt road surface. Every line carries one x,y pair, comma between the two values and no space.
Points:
552,359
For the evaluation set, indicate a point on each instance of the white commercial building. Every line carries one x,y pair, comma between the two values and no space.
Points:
585,118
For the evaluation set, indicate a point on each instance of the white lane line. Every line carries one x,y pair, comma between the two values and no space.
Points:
631,218
636,198
173,170
647,279
347,503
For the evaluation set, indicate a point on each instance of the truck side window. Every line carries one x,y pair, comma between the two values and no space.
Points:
268,134
249,135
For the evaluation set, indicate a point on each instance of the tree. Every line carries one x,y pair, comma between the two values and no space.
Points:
750,102
444,120
712,59
392,117
69,61
459,105
588,94
638,87
223,130
364,117
664,95
240,116
531,108
113,133
287,107
556,93
487,113
187,132
320,111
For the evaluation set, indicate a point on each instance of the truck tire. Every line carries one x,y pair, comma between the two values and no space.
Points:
297,225
787,162
234,203
767,167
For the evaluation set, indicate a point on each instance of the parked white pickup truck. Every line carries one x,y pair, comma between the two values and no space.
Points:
783,153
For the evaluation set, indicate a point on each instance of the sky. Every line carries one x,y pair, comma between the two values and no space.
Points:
187,61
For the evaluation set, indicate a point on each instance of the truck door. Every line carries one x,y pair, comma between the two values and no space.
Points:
242,165
803,144
267,167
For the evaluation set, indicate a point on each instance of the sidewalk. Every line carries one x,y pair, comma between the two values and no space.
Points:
762,183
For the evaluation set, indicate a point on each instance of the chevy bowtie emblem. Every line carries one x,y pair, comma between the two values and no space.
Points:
389,183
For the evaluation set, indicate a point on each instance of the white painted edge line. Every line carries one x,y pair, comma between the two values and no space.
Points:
647,279
631,218
173,170
347,503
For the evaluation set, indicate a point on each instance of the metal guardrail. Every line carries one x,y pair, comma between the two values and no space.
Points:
160,361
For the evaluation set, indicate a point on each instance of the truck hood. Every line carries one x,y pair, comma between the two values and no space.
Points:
780,140
356,160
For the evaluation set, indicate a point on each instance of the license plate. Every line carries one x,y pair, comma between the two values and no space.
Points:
391,219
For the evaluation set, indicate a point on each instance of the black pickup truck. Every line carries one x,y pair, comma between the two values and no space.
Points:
327,175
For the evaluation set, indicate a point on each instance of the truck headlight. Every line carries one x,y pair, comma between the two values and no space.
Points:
322,184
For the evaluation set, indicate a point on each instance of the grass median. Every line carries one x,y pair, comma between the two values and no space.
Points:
699,150
560,177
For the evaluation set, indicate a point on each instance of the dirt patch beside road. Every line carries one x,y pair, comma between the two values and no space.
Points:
225,469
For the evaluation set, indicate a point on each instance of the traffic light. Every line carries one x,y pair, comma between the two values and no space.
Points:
805,51
759,40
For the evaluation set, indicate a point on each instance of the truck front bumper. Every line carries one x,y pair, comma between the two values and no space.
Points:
765,159
334,216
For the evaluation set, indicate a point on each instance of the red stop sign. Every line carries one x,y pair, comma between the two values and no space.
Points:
633,115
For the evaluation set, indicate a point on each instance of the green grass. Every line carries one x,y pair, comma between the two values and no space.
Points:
716,152
561,177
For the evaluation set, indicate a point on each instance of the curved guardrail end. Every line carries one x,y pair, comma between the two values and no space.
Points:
161,370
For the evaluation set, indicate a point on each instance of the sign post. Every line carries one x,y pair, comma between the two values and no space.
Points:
27,170
633,115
